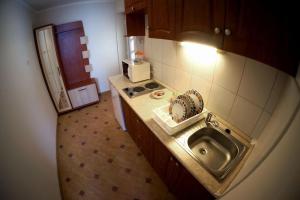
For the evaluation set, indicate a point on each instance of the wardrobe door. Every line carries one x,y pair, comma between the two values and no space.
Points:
50,68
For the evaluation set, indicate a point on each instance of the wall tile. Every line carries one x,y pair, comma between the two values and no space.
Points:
220,101
279,85
169,53
201,85
157,70
204,70
147,47
183,61
244,115
181,80
229,70
257,82
262,122
168,74
156,49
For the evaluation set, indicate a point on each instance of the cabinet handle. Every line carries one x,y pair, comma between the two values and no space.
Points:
176,164
132,8
227,32
217,30
82,89
171,158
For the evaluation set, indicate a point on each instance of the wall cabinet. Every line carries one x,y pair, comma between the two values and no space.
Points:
261,30
135,17
132,6
200,21
179,181
161,18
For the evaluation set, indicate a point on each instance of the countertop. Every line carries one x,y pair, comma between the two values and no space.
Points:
143,106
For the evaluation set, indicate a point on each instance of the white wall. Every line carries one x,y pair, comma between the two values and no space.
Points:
99,25
28,168
278,177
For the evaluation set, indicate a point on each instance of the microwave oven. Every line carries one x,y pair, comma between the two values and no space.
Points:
136,72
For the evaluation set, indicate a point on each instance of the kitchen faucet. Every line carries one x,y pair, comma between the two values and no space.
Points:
209,121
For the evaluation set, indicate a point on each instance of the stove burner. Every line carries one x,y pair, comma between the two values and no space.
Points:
152,85
138,89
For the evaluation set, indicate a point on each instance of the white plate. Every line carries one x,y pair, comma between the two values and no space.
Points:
197,98
178,110
158,94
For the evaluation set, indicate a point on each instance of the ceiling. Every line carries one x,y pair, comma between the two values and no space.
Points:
44,4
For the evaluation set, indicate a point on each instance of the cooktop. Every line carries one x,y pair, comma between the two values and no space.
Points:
142,89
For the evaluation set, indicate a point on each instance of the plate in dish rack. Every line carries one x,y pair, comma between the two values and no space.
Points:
179,110
190,103
197,98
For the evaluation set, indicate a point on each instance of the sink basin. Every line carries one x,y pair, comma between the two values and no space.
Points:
215,150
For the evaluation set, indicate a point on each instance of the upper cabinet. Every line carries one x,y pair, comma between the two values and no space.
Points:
264,31
135,17
200,21
261,30
132,6
161,17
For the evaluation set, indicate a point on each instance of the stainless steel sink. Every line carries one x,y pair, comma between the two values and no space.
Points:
215,150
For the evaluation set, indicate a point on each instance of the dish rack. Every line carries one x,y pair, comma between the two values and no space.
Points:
164,120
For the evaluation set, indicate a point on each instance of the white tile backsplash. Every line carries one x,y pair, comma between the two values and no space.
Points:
156,49
240,90
168,75
220,101
169,53
262,122
204,70
229,71
147,48
201,85
257,82
280,82
157,70
244,115
181,80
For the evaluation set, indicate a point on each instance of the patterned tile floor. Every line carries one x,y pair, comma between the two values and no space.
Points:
97,160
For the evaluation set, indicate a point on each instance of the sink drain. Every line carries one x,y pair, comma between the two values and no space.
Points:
203,151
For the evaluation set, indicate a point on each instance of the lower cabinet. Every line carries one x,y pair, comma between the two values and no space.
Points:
179,181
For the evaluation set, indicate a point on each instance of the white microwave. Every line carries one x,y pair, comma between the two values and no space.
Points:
136,72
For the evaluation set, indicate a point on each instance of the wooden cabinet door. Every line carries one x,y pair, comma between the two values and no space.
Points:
161,156
70,51
172,174
161,16
129,119
187,187
145,140
264,31
200,21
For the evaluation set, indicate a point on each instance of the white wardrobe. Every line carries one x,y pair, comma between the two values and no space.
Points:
51,69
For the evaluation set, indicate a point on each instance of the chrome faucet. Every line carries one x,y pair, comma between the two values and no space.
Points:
209,121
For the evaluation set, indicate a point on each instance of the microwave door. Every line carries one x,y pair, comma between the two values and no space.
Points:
130,73
125,69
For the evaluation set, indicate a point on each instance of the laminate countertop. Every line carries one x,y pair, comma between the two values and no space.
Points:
143,106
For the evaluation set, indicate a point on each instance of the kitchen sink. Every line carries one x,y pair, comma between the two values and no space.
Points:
215,150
